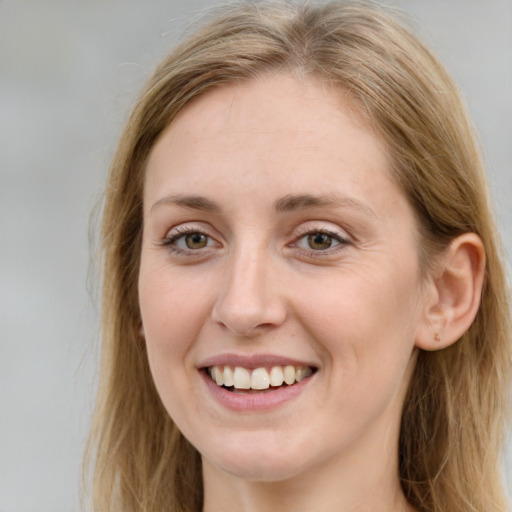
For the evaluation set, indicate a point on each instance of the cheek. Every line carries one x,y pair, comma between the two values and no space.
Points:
365,318
363,327
171,307
172,314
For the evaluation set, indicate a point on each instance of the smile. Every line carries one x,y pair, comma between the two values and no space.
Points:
257,379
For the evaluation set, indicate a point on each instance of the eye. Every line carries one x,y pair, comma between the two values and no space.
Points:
193,240
188,239
320,241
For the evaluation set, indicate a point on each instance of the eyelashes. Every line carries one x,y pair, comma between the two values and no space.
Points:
189,239
196,241
320,241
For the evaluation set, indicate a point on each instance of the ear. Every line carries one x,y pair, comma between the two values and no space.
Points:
454,293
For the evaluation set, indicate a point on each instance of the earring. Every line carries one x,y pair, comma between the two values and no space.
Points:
437,337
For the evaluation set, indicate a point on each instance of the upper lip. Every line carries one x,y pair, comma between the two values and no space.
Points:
253,361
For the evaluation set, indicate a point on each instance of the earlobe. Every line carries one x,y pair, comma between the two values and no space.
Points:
456,291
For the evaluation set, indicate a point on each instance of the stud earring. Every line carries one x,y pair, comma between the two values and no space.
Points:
437,337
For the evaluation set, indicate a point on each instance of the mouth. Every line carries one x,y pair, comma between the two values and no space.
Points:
239,379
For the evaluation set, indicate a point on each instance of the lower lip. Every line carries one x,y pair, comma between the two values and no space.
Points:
255,401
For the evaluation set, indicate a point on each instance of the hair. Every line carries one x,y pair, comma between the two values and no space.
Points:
456,410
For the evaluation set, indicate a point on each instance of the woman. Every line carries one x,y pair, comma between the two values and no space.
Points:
304,301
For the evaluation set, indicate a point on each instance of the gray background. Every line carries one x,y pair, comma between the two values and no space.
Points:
69,72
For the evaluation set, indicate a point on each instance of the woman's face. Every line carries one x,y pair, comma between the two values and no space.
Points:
277,246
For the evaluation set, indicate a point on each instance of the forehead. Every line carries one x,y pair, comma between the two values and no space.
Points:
267,117
272,103
291,134
277,91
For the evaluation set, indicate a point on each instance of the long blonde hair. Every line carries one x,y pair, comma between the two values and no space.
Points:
457,406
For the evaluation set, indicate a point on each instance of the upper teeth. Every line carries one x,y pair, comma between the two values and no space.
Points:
259,378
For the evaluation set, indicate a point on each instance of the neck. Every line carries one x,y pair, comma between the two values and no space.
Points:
359,484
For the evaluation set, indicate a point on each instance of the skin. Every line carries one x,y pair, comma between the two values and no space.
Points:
354,311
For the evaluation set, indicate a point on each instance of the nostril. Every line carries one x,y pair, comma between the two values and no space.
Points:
245,321
249,316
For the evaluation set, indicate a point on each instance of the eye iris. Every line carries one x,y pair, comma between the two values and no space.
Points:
196,241
319,241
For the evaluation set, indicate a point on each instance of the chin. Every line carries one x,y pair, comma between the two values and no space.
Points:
268,463
260,471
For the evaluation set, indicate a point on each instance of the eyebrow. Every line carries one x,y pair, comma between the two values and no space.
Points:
286,204
189,202
292,203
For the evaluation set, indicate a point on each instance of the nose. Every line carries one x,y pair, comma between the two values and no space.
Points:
250,301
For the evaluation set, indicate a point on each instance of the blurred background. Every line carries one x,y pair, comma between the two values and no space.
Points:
69,72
